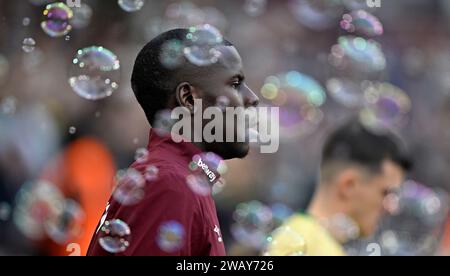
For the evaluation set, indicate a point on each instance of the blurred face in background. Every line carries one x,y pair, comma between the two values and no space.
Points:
366,191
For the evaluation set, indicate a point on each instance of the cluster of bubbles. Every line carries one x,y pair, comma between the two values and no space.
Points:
357,62
130,187
42,211
299,97
59,19
319,15
206,174
115,236
357,54
131,183
185,14
412,224
254,221
94,73
416,200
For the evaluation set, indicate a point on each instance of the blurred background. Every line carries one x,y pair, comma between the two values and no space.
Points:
321,61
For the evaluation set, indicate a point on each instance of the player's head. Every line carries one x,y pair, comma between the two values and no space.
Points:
360,167
158,86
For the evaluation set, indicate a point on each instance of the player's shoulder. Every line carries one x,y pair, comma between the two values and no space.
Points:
301,221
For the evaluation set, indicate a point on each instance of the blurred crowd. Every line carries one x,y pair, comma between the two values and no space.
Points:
52,136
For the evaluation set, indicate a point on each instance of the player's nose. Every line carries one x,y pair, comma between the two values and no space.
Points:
250,98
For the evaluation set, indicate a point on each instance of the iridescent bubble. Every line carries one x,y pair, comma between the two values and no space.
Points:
207,170
5,211
362,22
26,21
358,54
280,212
390,241
253,222
171,236
419,213
316,14
201,45
386,106
68,224
81,16
151,173
115,236
56,19
343,227
130,187
172,55
72,130
37,204
348,92
421,202
95,73
141,155
219,186
199,184
163,122
299,98
285,241
255,7
391,204
131,5
28,45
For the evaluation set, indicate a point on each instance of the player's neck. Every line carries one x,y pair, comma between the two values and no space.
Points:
329,213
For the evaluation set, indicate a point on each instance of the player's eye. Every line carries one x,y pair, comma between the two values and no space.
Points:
236,85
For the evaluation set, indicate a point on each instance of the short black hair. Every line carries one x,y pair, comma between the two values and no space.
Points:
354,143
153,83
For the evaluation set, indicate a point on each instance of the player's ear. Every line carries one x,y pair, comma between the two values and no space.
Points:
185,94
347,182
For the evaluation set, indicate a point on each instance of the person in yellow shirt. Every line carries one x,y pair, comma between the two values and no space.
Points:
359,168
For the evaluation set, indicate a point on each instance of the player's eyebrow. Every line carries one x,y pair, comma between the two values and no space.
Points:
240,76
